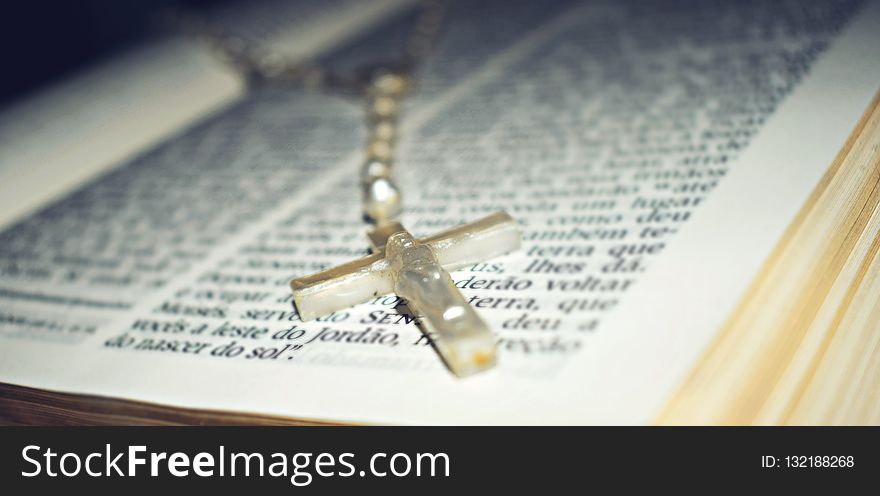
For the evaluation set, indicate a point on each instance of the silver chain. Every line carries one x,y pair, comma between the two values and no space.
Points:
382,87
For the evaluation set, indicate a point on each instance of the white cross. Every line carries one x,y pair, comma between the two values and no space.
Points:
416,270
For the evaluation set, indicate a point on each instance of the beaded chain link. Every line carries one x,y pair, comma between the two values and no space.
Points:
383,87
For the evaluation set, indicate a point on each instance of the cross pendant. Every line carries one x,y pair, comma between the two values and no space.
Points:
417,271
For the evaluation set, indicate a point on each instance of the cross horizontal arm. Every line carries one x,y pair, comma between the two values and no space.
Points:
359,280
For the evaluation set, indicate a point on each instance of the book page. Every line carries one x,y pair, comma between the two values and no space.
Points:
123,107
652,154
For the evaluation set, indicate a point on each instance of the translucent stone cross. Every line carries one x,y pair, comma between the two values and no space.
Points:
416,270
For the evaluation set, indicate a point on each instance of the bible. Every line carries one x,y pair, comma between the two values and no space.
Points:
696,185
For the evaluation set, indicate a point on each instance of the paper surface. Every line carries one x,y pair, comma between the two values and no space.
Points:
653,156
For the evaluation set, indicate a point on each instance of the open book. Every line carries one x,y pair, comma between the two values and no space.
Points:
696,184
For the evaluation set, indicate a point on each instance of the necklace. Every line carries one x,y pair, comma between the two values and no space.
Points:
414,269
